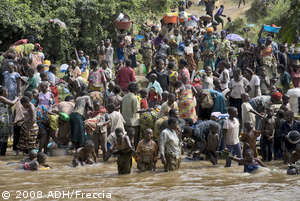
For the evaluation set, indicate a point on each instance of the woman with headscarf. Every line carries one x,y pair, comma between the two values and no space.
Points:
209,48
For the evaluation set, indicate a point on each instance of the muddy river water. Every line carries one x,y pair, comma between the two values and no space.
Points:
193,181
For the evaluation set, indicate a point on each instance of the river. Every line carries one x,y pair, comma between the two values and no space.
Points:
193,181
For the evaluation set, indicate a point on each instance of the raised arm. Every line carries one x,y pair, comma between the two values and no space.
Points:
7,101
260,33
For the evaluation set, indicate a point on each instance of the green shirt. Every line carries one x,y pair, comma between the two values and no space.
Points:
32,84
130,106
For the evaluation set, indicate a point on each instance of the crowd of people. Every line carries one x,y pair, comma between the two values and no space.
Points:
204,95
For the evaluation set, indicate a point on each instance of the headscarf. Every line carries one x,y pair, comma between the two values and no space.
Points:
276,96
210,30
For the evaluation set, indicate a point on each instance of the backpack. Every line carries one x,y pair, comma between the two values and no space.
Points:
207,100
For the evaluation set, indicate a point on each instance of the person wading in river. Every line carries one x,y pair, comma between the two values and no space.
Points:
147,152
123,149
170,146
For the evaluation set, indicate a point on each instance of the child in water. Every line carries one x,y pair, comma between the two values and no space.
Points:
267,135
42,160
249,137
213,143
123,149
296,154
251,164
294,167
85,155
31,156
147,152
34,165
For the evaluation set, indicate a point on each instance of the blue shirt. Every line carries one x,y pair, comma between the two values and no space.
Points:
51,78
219,12
10,81
286,127
120,53
84,63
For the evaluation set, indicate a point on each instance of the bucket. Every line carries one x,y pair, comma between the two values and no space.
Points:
122,25
271,29
142,69
182,16
168,19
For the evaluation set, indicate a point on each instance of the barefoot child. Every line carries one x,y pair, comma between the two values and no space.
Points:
147,152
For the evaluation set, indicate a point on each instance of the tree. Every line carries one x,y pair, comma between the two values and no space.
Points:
87,22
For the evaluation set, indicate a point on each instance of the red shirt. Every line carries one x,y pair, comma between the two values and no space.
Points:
144,103
125,76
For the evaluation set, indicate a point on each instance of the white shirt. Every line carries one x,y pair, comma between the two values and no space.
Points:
37,76
117,121
254,82
109,56
208,82
233,129
248,116
238,88
189,49
224,79
169,143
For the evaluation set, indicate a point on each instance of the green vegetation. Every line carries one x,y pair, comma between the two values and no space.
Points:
284,13
87,22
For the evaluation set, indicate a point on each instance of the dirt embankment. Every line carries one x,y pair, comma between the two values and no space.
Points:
230,8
